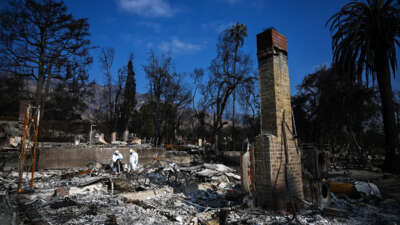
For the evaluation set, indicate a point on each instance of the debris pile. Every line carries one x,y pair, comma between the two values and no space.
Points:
165,193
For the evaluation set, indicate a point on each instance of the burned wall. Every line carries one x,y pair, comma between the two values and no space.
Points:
63,157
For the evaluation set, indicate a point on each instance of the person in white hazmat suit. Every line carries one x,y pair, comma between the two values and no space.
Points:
133,160
117,161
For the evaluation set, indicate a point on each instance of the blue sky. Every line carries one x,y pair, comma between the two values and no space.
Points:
189,29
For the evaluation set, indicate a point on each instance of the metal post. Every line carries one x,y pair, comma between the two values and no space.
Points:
90,135
35,145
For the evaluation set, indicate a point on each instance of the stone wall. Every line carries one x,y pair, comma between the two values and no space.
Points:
61,158
69,157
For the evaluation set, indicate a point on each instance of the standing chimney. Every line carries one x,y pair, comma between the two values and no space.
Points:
278,174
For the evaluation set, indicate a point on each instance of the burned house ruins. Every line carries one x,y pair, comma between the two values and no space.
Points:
182,184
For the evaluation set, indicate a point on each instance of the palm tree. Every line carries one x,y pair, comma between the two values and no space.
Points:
364,40
236,34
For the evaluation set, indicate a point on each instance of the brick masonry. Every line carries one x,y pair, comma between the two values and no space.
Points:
276,140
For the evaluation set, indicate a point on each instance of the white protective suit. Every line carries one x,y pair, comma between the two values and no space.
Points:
116,156
133,160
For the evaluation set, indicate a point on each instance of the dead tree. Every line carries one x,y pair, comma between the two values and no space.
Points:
40,39
229,71
106,59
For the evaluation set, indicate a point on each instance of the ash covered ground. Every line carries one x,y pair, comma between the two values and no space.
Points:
167,193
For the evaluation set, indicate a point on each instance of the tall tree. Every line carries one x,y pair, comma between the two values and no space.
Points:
68,99
329,107
129,95
41,39
397,109
236,35
230,70
168,96
106,59
158,74
365,36
117,117
199,106
11,92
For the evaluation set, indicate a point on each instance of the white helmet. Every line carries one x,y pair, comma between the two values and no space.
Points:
116,152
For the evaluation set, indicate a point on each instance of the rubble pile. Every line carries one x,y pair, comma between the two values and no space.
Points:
164,193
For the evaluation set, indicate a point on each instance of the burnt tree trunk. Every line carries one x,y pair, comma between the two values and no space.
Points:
386,94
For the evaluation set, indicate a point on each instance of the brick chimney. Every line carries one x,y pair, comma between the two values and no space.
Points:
278,174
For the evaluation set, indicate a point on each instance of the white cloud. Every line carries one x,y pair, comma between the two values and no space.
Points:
178,46
147,8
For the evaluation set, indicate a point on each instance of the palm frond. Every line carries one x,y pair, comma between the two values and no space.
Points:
364,37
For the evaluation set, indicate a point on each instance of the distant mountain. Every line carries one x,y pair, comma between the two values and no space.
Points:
95,103
98,101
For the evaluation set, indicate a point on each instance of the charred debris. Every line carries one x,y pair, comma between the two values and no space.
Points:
164,191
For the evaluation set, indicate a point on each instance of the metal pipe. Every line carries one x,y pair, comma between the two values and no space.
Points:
35,146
